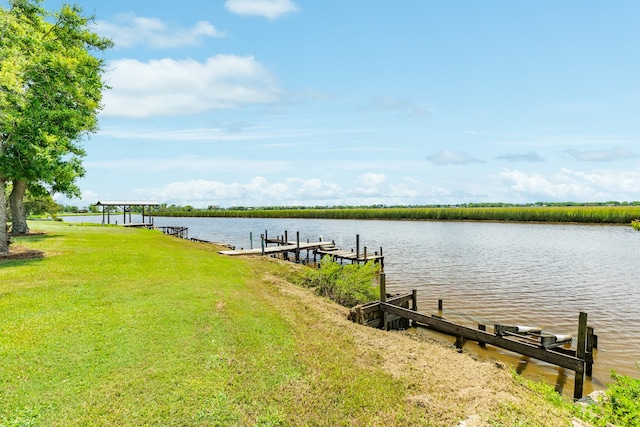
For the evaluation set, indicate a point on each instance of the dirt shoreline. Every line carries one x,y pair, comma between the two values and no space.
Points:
449,385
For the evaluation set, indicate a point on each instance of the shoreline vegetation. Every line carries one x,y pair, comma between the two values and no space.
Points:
127,327
122,326
584,214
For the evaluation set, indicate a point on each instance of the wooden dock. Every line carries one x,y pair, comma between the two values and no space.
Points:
526,341
285,247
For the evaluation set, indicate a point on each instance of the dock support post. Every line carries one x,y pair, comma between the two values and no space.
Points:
298,247
580,354
590,347
251,239
383,298
365,254
414,303
439,308
262,243
483,328
358,247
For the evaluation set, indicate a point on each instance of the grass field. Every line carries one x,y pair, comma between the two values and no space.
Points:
125,327
574,214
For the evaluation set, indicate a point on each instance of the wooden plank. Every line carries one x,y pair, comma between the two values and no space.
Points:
375,323
580,353
396,300
565,361
274,249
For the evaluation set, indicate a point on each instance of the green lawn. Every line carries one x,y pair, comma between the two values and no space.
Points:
125,327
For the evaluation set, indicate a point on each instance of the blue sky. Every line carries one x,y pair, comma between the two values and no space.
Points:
359,102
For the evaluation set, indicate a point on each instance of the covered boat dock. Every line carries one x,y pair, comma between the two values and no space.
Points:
126,206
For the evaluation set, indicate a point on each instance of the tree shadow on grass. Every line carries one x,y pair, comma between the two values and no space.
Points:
21,254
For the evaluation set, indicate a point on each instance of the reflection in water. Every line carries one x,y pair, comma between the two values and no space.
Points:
533,274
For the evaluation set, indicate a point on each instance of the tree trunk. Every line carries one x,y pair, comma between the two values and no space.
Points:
18,214
4,236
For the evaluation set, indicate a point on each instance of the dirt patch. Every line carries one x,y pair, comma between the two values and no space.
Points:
20,252
447,384
30,234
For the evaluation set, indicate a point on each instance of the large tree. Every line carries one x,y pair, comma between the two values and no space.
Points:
54,103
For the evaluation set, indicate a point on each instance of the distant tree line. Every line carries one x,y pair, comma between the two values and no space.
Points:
188,208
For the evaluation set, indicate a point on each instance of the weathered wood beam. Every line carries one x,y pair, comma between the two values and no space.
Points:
569,362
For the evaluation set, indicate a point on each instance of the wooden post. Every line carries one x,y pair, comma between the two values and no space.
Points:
298,247
383,288
359,317
286,237
439,308
365,254
383,298
262,239
580,354
414,304
357,246
251,239
590,347
482,328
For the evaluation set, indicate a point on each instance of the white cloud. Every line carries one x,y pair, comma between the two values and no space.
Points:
291,192
531,156
613,154
130,30
258,192
88,197
225,133
168,87
418,192
271,9
389,104
551,140
447,157
372,179
188,164
567,184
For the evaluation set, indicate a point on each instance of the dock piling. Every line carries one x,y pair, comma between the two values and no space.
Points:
483,328
580,354
383,298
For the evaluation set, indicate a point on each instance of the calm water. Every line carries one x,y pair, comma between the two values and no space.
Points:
528,274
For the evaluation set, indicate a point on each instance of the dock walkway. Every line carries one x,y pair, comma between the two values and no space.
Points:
284,247
289,247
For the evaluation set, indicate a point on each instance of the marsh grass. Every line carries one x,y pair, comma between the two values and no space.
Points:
130,327
573,214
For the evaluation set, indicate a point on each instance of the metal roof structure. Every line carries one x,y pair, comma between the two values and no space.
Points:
127,203
126,207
